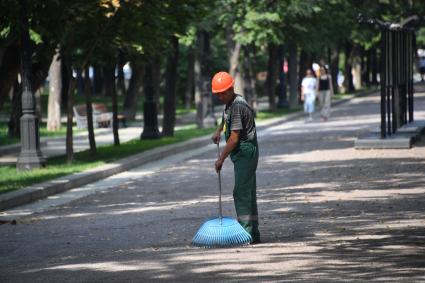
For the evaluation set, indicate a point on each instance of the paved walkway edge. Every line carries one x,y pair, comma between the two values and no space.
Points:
45,189
14,148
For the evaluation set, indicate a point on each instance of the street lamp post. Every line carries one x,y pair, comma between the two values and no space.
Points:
30,156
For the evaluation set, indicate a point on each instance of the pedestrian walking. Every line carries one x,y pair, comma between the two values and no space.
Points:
324,92
308,93
239,129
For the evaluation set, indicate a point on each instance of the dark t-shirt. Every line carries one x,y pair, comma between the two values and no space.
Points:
323,84
240,116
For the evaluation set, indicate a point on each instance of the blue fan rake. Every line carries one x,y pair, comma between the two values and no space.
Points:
221,232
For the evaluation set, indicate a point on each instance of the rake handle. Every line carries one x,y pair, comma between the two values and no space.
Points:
219,186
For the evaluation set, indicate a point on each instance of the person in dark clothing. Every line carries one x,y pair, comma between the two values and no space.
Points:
240,132
325,92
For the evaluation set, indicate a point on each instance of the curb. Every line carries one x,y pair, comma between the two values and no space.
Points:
48,188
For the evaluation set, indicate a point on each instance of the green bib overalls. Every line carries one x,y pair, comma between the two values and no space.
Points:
245,160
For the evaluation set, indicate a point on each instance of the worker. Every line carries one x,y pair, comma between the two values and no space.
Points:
240,133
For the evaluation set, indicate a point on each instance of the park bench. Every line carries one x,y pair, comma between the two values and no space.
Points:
102,118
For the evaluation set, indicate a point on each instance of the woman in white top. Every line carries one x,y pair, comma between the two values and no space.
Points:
308,93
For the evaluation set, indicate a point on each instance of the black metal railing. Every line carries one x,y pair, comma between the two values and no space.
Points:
396,75
397,55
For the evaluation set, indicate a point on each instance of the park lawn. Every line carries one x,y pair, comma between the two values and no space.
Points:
11,180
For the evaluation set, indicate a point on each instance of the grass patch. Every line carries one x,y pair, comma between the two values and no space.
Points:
57,166
338,96
4,139
183,111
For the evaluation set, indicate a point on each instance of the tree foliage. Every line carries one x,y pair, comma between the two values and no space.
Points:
92,32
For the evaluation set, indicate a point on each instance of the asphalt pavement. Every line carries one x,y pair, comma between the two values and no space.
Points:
328,213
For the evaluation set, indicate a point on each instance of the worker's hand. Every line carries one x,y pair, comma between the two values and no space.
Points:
218,164
216,137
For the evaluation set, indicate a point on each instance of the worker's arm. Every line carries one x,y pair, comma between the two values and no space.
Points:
216,136
231,143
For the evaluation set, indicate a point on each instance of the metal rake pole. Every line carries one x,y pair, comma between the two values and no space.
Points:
219,186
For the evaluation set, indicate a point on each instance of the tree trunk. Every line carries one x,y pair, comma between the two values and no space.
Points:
9,70
199,81
40,69
348,76
251,65
121,79
368,67
362,66
272,75
39,73
65,84
334,60
209,118
375,66
80,82
364,62
98,79
14,125
283,101
305,63
292,76
70,104
234,50
135,90
150,108
156,81
109,75
38,106
190,78
55,87
247,75
108,79
89,110
357,75
115,118
2,50
169,120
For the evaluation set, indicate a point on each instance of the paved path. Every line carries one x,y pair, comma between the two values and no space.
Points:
328,213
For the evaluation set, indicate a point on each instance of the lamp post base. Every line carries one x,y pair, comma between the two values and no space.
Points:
30,156
30,160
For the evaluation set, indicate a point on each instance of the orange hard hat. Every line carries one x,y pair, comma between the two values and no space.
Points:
221,81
